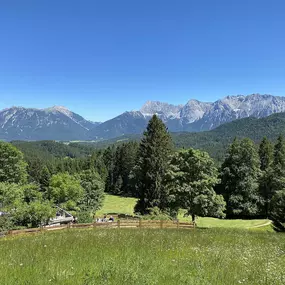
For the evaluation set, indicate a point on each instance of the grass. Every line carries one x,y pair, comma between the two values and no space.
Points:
117,205
126,256
121,205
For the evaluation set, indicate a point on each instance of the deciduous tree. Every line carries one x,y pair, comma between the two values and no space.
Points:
93,186
190,181
66,191
12,164
239,180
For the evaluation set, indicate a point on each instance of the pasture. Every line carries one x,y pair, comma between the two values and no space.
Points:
122,205
144,256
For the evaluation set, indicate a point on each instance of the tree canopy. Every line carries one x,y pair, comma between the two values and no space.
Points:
12,164
66,190
190,181
239,179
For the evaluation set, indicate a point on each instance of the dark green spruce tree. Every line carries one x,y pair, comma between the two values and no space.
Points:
154,154
109,160
265,182
239,180
44,179
265,154
125,160
277,198
278,179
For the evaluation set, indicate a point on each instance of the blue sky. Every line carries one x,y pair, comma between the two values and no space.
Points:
101,58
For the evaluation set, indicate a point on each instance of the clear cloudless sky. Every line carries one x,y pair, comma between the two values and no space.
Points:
101,58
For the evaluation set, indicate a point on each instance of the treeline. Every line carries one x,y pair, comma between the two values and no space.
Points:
30,190
48,174
216,141
250,183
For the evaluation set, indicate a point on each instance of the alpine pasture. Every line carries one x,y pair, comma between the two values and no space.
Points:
217,252
144,256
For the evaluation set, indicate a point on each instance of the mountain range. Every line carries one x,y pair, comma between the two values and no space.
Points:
215,142
59,123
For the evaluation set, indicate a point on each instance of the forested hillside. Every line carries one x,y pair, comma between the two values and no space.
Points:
52,149
216,141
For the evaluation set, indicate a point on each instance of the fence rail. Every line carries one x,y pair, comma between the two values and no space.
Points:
153,224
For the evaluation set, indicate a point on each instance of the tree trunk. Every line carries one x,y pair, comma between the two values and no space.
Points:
193,218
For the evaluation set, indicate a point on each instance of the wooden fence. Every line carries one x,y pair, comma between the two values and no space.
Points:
152,224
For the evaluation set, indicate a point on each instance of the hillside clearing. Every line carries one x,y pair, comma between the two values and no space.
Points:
124,205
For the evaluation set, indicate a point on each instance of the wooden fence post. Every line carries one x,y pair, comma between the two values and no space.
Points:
119,226
140,223
161,224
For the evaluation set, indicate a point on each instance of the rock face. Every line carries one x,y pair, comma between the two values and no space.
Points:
58,123
195,116
237,107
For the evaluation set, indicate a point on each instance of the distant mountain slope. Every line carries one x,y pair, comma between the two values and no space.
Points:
56,123
195,116
216,141
127,123
59,123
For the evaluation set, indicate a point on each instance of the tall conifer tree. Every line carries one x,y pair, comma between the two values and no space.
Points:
265,182
278,173
265,154
154,154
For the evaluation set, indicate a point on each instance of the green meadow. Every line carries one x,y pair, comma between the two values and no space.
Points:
122,205
141,256
217,252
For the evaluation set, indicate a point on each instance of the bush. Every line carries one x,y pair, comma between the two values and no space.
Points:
156,214
84,217
6,224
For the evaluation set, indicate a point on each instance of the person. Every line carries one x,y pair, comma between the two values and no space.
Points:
111,219
105,219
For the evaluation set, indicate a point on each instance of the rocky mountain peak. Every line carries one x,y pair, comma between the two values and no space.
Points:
155,107
60,109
